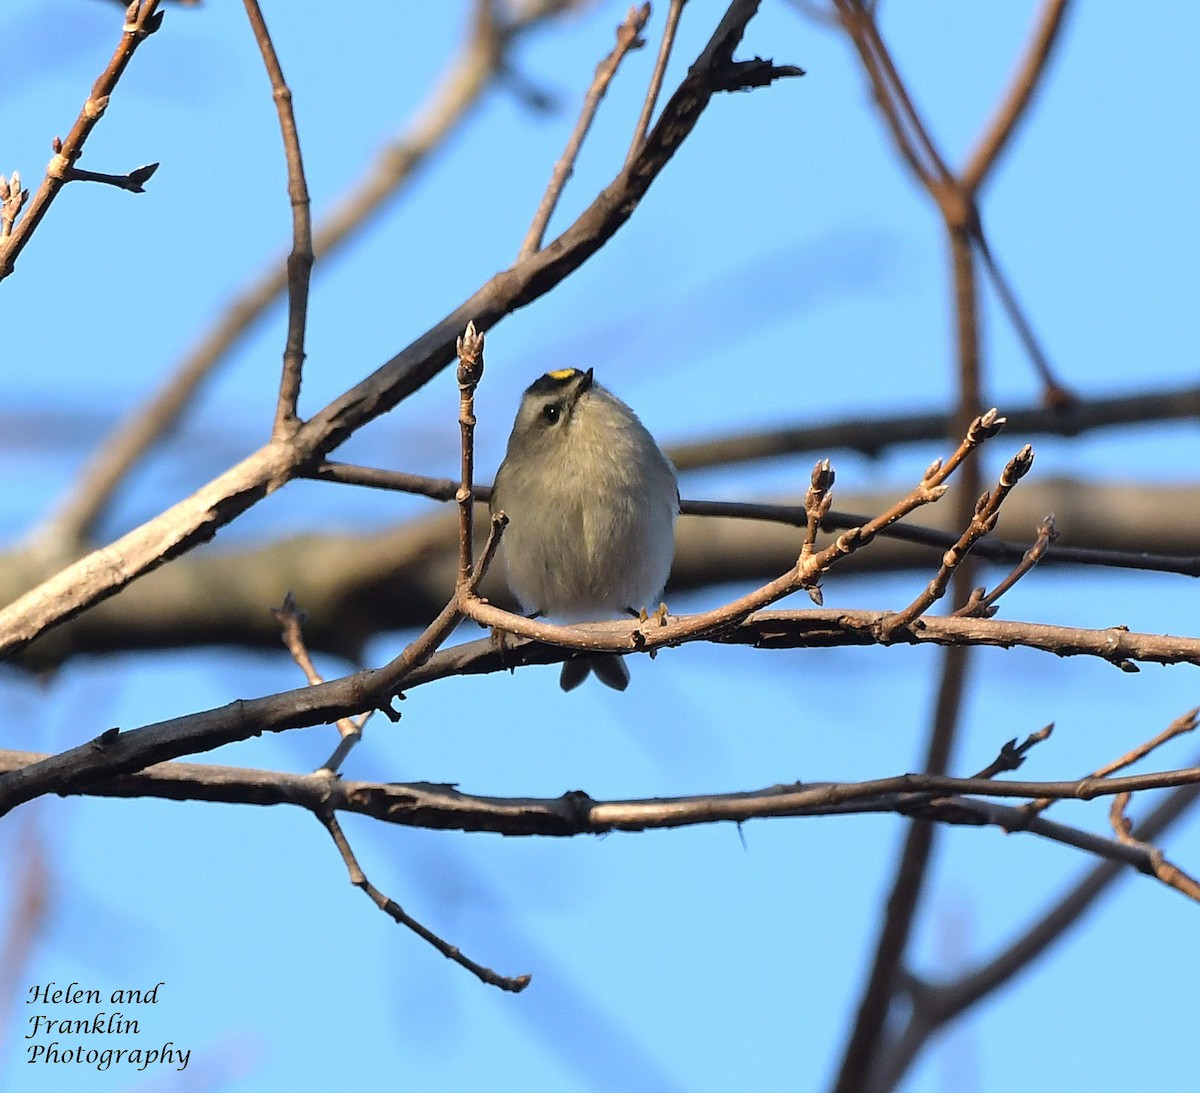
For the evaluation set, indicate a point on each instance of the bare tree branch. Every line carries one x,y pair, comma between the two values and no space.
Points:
1183,724
470,372
290,620
873,436
983,603
987,512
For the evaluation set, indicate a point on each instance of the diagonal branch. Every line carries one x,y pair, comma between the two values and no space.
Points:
291,619
987,512
389,906
656,78
1167,872
1033,67
1183,724
628,38
983,603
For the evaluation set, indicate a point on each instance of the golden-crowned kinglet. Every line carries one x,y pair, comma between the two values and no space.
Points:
591,503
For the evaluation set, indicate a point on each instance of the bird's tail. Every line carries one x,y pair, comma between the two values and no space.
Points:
609,669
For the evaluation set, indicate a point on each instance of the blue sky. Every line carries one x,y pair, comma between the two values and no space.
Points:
783,250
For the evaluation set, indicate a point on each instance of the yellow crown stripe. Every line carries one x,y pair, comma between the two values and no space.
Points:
562,373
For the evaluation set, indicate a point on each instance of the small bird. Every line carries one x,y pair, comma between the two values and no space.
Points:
591,502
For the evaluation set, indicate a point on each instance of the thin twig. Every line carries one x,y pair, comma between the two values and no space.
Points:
987,512
1170,874
389,679
300,261
291,619
939,173
133,182
628,38
358,878
983,605
816,504
854,18
1012,755
488,554
933,484
470,372
816,510
1182,724
656,80
1015,105
1055,394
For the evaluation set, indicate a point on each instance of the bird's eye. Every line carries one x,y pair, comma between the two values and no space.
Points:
551,413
